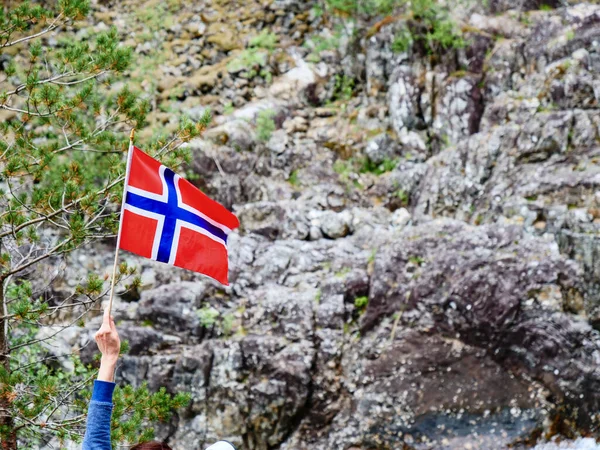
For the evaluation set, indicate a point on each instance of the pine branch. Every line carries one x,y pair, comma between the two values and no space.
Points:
23,86
29,113
38,340
65,397
51,27
79,200
65,305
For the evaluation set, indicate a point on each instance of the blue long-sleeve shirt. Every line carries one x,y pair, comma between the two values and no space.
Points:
97,431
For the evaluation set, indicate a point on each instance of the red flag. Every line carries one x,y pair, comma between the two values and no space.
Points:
166,218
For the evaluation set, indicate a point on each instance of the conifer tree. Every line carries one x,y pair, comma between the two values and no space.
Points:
64,129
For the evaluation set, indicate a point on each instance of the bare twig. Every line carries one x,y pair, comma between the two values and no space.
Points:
52,252
35,341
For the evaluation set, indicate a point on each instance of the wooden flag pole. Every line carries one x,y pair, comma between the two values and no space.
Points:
114,274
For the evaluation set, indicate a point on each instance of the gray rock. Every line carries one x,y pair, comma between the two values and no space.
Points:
174,307
146,340
278,142
382,148
491,304
336,225
403,101
494,171
496,6
60,343
236,133
401,217
400,186
459,108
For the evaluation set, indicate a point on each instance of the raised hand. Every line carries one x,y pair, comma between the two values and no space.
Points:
109,344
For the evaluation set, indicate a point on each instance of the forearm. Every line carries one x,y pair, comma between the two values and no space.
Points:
97,432
107,369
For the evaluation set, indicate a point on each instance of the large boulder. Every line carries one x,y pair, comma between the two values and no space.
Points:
174,307
499,289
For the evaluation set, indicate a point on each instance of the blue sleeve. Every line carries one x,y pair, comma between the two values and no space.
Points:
97,430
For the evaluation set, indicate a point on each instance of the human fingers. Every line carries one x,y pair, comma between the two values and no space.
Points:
103,331
100,339
104,327
106,318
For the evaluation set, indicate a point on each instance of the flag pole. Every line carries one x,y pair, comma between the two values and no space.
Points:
114,274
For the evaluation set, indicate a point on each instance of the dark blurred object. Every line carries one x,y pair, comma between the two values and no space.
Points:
499,6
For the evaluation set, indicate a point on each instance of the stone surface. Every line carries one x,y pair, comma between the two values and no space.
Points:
452,311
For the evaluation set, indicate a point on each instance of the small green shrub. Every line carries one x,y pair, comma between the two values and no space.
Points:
443,35
368,7
342,167
343,272
347,6
265,39
524,19
372,256
254,60
369,166
208,316
317,44
317,11
402,196
265,125
361,302
227,324
266,75
402,41
293,179
249,59
343,88
416,260
570,35
228,108
430,24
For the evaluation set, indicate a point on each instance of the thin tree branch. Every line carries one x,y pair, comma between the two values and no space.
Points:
51,252
51,27
71,83
53,79
63,328
29,113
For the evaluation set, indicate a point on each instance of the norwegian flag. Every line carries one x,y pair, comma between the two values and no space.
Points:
166,218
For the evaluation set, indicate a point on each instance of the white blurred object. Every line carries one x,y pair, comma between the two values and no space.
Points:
221,445
578,444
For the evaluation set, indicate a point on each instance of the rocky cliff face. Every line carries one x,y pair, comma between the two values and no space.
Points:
450,299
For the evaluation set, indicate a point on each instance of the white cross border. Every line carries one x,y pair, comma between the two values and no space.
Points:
164,198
